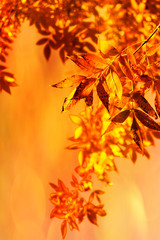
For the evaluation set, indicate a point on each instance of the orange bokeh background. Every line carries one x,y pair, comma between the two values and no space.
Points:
33,137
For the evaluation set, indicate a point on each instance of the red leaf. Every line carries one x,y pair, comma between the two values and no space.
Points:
146,120
144,104
121,117
89,99
47,52
64,229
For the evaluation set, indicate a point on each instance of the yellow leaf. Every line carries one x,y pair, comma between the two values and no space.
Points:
114,84
107,49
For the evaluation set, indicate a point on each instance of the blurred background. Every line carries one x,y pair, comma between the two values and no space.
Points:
33,137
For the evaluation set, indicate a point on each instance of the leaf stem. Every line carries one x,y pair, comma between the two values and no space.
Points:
147,39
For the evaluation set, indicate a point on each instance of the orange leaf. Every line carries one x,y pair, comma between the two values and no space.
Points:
131,57
64,229
125,67
146,120
144,104
121,117
152,50
70,81
94,60
69,101
106,49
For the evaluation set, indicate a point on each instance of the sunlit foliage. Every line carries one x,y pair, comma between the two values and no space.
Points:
116,82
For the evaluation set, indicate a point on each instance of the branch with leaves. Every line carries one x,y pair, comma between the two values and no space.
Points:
124,123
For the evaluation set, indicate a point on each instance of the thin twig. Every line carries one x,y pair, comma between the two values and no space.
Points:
147,39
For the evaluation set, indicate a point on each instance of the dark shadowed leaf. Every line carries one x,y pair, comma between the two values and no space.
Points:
41,41
137,137
2,58
146,120
89,99
2,67
92,217
144,104
103,95
157,103
90,46
64,229
121,117
70,81
62,54
47,52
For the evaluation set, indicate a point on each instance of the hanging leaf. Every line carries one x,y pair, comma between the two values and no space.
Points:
42,41
157,103
144,104
125,67
47,52
137,137
64,229
70,81
103,95
114,83
94,60
121,117
106,49
84,88
82,63
131,57
92,216
69,101
146,120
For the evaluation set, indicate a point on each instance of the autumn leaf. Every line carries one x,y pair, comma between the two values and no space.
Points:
89,99
114,83
106,49
103,95
131,57
121,117
92,216
125,67
70,81
69,101
157,103
144,104
137,137
64,229
152,50
41,41
146,120
94,60
47,51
